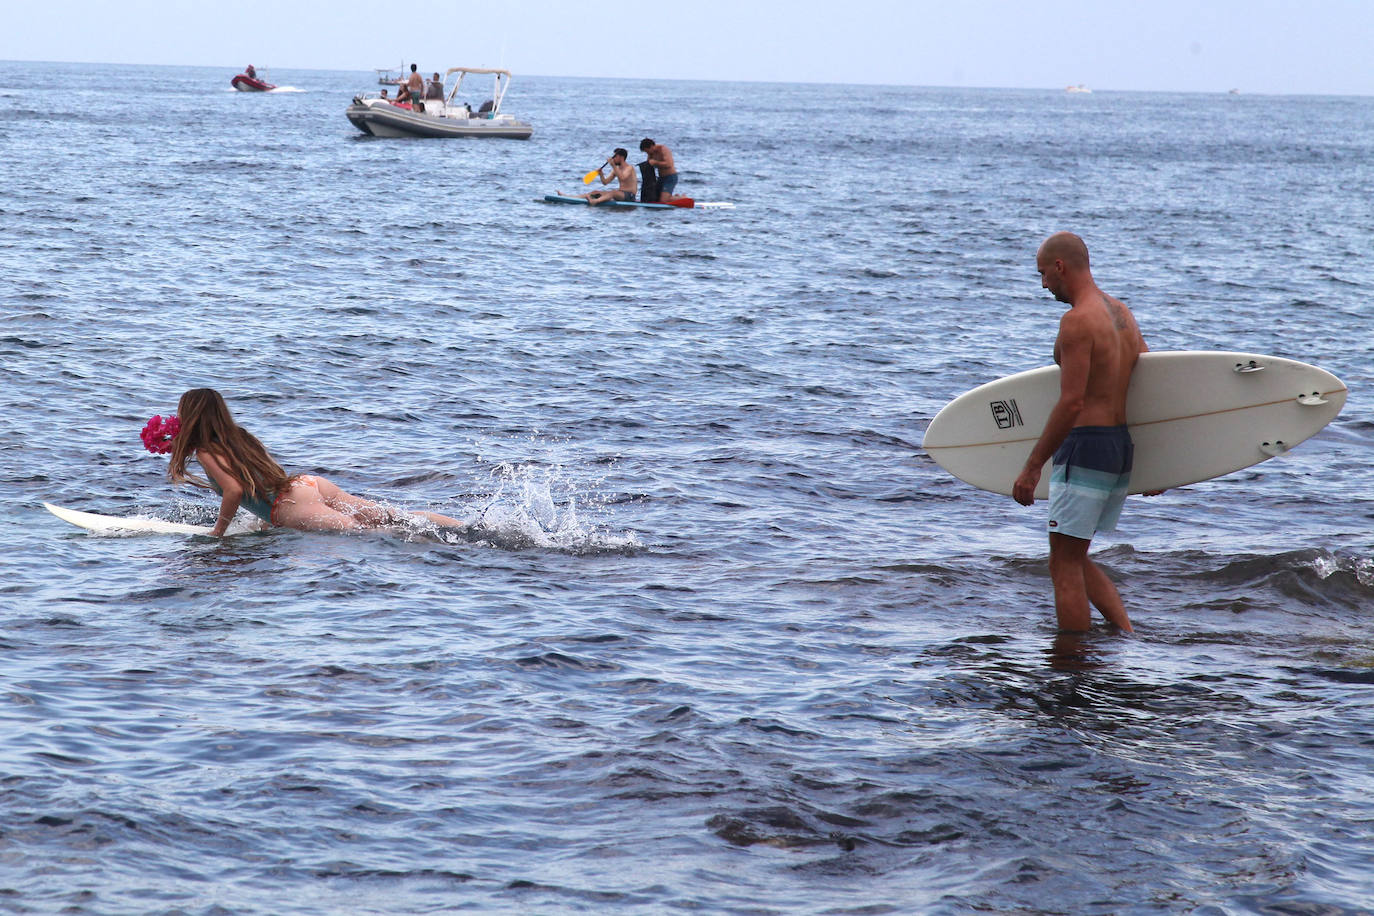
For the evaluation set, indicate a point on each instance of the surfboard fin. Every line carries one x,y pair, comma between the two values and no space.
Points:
1314,399
1251,366
1274,449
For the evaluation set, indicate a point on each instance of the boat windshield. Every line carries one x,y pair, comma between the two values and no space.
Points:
501,82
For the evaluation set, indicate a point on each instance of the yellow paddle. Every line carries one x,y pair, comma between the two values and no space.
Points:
587,178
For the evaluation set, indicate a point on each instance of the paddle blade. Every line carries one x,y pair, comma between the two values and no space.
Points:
685,202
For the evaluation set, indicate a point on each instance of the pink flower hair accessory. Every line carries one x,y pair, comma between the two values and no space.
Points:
157,436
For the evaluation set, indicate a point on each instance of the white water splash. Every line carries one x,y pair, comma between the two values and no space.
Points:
535,506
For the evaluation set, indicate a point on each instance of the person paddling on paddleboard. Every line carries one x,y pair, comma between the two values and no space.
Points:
241,470
621,171
1096,349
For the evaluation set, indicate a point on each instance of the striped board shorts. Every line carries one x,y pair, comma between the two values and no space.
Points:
1088,480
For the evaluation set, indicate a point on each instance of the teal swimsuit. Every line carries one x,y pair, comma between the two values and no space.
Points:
254,504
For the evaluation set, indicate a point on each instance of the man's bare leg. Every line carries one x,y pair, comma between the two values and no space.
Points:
1104,596
1078,581
1067,556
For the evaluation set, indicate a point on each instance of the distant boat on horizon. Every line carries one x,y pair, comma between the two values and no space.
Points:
1079,88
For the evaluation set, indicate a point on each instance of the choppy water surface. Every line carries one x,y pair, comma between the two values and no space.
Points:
731,642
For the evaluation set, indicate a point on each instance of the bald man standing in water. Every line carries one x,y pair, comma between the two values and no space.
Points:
1097,348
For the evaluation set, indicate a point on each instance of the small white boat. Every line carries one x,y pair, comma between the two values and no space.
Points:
446,117
388,77
1079,88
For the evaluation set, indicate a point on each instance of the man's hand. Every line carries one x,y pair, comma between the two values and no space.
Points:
1023,491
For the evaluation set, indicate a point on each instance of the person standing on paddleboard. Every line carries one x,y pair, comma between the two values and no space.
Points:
244,474
1097,347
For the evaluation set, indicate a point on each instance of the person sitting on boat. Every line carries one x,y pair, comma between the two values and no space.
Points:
621,171
403,96
251,73
435,89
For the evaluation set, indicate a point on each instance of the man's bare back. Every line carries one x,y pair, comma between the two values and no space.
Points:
1114,344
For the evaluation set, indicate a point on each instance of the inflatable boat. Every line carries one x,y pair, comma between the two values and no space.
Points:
448,116
245,83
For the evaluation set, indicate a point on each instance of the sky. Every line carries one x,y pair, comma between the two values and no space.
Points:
1255,46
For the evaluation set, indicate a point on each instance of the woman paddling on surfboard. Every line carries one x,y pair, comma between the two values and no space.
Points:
242,471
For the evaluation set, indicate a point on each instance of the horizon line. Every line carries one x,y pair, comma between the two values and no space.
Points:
783,82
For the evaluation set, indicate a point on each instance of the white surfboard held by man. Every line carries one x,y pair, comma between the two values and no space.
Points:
1097,347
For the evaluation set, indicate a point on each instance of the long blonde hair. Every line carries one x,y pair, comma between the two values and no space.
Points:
206,424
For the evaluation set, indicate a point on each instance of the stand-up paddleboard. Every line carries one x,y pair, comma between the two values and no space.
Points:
681,203
110,524
1193,416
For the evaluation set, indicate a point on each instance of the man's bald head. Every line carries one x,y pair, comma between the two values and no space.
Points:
1066,247
1063,265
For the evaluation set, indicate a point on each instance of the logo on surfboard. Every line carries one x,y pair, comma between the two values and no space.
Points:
1006,414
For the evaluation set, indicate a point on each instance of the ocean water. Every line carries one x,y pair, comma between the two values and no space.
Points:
729,641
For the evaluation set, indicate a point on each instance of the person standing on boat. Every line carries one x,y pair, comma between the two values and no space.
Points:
621,171
415,83
251,73
661,158
435,89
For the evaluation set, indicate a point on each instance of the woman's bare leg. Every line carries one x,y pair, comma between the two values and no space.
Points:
367,513
374,514
443,521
